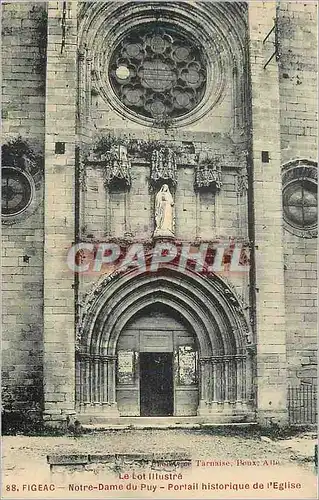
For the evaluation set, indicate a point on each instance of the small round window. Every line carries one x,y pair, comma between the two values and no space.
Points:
16,192
158,72
300,204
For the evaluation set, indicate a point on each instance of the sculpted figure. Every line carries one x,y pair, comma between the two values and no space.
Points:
164,218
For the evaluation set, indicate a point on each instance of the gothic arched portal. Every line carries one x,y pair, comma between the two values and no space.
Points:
197,320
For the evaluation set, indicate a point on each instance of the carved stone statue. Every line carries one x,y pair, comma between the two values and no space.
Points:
164,217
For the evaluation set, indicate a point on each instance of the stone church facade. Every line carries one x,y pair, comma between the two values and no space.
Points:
183,127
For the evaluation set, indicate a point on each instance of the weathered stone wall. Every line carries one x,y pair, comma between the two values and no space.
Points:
297,24
23,100
23,71
298,120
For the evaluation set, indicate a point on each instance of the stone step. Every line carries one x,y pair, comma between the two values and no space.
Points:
102,422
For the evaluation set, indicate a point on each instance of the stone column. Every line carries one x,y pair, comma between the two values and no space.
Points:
88,381
219,380
227,380
81,364
239,379
218,384
60,123
267,192
205,386
104,380
112,411
215,382
96,378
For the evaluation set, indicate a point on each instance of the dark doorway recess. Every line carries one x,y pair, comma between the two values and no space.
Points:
156,384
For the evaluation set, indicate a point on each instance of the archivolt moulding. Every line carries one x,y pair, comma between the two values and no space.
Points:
205,302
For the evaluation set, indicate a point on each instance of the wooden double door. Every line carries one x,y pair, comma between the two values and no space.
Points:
157,369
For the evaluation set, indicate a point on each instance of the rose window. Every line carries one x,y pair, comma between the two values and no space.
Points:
158,73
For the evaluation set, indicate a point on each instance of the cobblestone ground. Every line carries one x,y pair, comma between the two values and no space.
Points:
24,458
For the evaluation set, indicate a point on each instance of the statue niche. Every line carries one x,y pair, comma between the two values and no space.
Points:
164,213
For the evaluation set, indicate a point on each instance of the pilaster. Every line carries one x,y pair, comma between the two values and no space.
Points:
270,314
59,299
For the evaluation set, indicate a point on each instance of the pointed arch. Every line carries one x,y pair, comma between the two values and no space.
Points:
206,304
216,313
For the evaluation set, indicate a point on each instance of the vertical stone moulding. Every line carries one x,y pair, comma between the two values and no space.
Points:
270,324
59,320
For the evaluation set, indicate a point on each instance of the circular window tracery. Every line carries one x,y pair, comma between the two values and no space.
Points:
16,192
300,199
300,203
158,72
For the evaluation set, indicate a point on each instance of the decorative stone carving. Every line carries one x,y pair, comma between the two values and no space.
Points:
116,163
118,168
208,175
242,183
163,165
164,217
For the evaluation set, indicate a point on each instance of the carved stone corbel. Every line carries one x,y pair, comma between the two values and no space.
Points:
163,166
